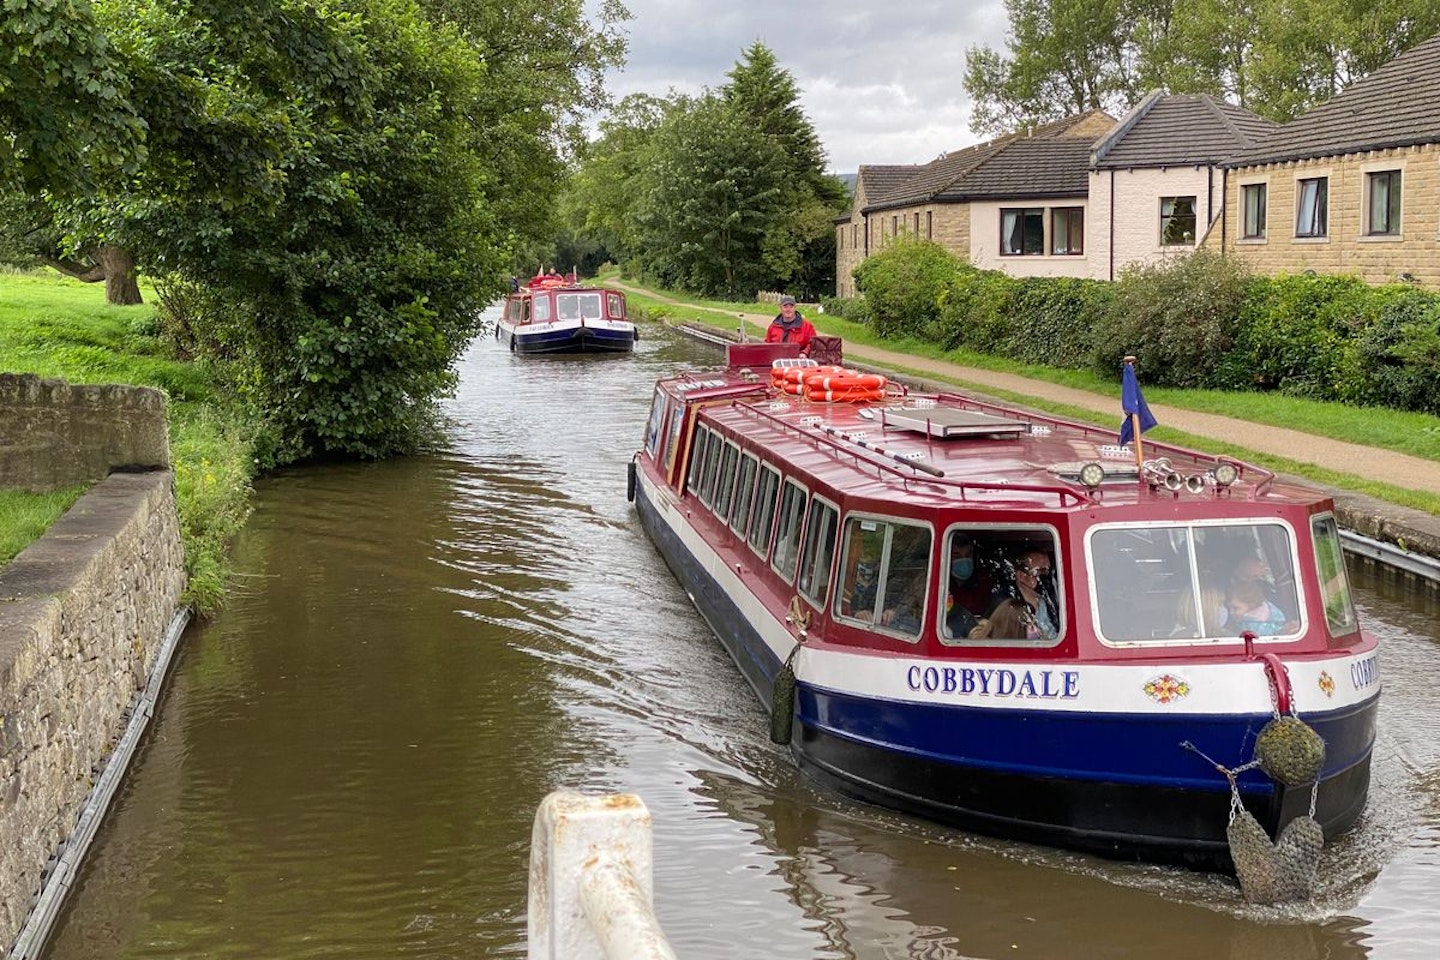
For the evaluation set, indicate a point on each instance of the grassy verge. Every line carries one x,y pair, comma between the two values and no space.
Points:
1415,434
56,327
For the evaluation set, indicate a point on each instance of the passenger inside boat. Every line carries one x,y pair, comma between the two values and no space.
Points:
1249,610
1032,581
886,568
1010,620
969,585
1214,612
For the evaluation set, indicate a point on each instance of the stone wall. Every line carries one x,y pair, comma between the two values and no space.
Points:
54,434
83,612
1347,247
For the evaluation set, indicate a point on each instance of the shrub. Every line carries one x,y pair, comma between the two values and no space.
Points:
905,285
1291,334
1054,319
1394,359
976,311
1179,319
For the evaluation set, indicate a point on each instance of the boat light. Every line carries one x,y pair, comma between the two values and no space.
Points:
1225,474
1092,474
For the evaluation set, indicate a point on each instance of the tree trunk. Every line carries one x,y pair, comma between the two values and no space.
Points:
121,286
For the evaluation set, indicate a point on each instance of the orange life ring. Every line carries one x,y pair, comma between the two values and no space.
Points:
851,395
848,380
801,374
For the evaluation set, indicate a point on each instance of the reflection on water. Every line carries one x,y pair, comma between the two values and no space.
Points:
347,761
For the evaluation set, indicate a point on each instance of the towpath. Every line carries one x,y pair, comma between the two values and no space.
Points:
1381,520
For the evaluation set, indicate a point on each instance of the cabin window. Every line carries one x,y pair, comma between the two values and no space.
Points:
1197,582
578,306
885,570
711,472
787,530
819,551
1334,584
762,523
697,460
744,494
615,306
541,309
725,482
1001,587
655,427
677,422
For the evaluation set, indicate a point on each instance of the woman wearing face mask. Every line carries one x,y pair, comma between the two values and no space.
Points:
969,593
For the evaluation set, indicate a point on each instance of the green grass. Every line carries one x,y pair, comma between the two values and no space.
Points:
56,327
25,516
1416,434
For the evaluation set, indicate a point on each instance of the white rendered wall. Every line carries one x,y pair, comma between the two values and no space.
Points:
985,241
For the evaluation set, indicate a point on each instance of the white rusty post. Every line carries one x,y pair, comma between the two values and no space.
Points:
590,881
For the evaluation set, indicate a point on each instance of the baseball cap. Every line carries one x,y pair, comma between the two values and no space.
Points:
785,300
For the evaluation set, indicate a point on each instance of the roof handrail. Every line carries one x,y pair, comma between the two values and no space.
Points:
893,463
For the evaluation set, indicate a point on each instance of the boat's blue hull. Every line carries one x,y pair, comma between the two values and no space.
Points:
1116,784
572,340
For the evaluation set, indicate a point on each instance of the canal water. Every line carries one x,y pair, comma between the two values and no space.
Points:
347,761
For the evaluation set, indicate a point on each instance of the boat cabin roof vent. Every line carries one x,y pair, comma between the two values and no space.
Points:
945,422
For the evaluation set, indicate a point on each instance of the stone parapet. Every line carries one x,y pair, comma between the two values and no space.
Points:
83,612
55,434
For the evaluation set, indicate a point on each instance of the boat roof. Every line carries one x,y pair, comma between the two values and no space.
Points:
948,449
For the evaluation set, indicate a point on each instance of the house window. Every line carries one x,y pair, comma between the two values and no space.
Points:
1022,232
1312,207
1177,221
895,226
1384,208
1253,199
929,224
1067,231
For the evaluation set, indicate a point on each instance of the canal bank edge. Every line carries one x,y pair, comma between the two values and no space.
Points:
83,613
1401,538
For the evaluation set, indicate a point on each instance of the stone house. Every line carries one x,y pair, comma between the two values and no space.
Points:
1016,203
1352,186
1157,183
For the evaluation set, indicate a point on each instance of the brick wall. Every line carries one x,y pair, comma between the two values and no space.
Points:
1347,249
83,611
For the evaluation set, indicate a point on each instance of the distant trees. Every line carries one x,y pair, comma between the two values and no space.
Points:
1275,57
724,193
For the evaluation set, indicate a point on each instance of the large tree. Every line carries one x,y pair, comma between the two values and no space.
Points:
339,185
1065,57
713,187
798,250
65,114
600,200
1275,57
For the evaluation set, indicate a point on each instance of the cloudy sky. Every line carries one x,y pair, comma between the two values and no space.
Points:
882,82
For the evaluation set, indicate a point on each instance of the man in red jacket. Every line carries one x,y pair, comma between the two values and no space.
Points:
790,327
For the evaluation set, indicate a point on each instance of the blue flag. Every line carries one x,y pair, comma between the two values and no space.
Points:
1132,401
